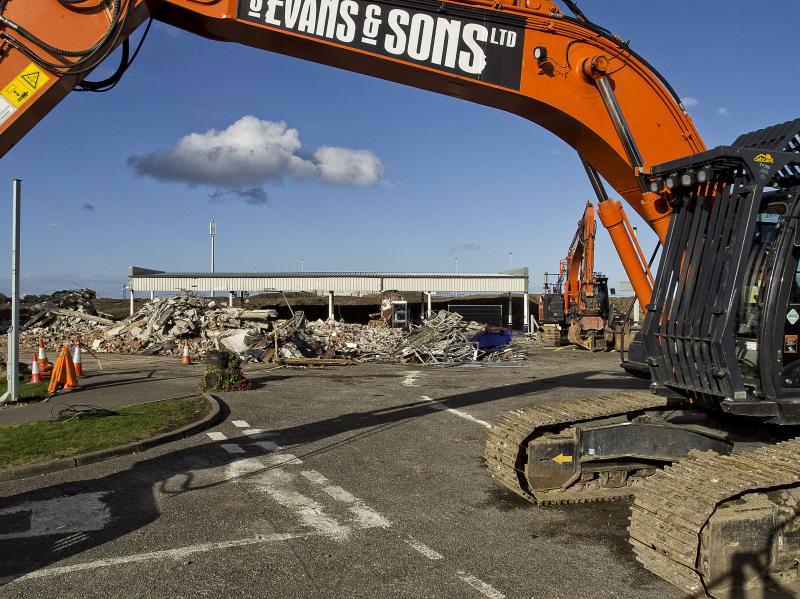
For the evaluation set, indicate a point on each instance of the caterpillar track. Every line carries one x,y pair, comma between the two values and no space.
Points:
507,444
721,526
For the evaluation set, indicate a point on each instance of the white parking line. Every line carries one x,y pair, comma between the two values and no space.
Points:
458,413
268,445
281,459
483,588
423,549
178,554
278,484
232,448
217,436
315,477
240,424
257,433
365,516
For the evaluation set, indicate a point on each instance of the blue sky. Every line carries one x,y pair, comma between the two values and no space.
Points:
458,179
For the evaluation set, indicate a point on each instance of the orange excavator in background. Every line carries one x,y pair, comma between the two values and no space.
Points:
578,302
720,338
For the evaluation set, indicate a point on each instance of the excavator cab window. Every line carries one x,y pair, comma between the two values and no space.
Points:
751,304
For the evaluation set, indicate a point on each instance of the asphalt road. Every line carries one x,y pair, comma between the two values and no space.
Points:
361,481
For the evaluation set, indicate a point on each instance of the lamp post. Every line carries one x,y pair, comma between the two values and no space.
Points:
212,231
12,392
509,259
456,261
302,264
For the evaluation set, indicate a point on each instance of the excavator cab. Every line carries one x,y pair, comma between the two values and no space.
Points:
724,320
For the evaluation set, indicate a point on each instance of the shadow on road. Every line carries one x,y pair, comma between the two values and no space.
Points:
130,495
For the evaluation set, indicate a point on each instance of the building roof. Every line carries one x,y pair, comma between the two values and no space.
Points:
145,279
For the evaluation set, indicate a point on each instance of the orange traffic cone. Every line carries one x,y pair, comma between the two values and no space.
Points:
186,359
76,359
36,376
44,364
69,366
63,373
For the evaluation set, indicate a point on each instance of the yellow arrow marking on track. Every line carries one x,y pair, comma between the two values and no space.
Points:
562,459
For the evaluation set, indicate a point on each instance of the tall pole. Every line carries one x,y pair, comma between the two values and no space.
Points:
212,231
302,264
509,259
12,394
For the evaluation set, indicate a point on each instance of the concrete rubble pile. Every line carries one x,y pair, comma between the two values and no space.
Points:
163,325
444,338
64,317
331,340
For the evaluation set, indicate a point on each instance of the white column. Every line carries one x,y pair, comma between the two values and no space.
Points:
131,290
636,313
526,311
152,295
230,299
330,306
509,311
430,308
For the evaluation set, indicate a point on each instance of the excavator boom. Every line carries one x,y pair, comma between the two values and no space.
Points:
524,57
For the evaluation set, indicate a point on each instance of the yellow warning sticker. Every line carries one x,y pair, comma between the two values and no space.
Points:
23,86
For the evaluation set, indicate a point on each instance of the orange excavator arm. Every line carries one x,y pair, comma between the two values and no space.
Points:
579,273
522,56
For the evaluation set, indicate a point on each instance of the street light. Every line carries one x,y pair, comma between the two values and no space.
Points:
302,264
212,231
509,259
456,260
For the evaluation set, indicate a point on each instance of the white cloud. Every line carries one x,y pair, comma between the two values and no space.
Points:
723,111
343,166
250,153
690,102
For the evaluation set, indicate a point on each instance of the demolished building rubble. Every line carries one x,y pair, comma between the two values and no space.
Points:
164,325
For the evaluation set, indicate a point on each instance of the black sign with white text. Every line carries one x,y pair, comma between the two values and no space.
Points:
475,43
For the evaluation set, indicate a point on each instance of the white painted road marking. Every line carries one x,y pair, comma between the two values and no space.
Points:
365,516
240,424
282,459
268,445
458,413
257,433
232,447
484,589
217,436
63,515
178,554
315,477
410,379
423,549
279,485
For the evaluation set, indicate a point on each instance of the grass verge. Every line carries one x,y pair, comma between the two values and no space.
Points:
27,391
48,439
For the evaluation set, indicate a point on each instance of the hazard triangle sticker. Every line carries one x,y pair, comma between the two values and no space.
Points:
31,79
